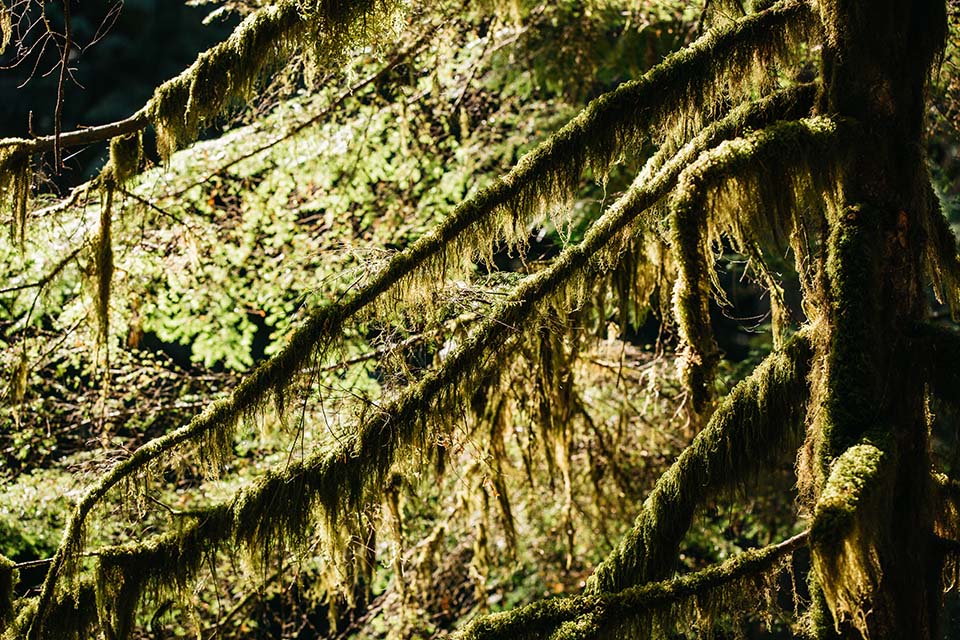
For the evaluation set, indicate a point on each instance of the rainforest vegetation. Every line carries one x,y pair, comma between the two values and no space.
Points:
500,319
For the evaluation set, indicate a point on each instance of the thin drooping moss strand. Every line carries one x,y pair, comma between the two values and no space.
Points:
621,615
15,177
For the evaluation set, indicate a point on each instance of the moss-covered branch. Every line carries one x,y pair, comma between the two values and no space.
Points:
747,190
844,537
649,610
761,418
278,508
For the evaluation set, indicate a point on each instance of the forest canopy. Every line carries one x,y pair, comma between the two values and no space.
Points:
492,320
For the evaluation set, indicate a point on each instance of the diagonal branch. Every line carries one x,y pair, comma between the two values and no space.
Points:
281,503
645,192
590,616
761,418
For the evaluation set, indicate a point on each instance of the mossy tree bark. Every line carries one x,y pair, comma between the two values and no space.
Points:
876,58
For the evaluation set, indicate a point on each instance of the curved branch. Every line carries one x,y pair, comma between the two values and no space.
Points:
760,419
589,616
767,172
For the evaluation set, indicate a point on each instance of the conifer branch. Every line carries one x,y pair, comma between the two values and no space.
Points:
761,417
760,178
279,506
636,610
645,192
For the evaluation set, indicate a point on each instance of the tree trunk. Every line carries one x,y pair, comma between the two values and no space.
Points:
876,59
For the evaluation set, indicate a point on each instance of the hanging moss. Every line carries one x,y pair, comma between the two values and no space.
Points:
8,580
761,417
592,135
747,190
214,427
6,27
162,567
104,264
227,73
15,176
126,155
654,610
73,616
844,536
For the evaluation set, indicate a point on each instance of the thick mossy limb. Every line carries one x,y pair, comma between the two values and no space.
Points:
850,399
747,190
650,610
760,419
845,537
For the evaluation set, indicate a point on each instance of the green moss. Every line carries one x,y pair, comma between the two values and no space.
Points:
126,154
845,536
105,264
227,74
8,580
654,610
761,416
6,27
748,190
15,177
159,568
